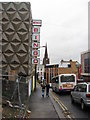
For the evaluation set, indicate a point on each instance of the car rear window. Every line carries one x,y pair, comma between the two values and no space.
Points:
82,87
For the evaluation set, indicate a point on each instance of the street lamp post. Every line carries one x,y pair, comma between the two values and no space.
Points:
41,47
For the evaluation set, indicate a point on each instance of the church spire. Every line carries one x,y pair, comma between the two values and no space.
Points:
46,54
45,59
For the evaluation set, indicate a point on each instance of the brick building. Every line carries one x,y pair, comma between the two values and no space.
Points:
50,71
66,67
69,67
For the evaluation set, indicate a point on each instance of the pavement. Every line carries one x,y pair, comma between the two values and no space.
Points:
42,107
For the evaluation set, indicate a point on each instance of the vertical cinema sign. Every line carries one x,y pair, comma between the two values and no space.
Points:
36,41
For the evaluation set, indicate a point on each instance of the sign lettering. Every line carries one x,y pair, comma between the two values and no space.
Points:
35,52
36,37
36,61
35,45
37,22
36,41
36,29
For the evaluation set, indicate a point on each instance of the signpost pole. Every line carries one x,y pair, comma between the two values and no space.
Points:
35,75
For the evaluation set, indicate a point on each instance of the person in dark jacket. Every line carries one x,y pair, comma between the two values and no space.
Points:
43,88
47,89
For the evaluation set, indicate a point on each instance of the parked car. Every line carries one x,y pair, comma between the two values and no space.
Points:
81,94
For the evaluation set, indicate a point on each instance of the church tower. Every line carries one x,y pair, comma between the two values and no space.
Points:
45,59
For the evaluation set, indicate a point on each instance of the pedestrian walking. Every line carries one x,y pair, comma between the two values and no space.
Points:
43,88
47,89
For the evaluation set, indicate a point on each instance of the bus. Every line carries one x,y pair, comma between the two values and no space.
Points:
63,82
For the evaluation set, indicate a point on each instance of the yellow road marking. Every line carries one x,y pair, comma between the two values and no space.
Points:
60,104
63,104
56,99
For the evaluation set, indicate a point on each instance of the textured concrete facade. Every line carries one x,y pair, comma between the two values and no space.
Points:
16,29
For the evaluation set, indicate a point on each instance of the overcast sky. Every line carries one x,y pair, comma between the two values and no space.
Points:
64,27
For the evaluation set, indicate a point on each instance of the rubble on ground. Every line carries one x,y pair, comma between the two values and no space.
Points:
13,111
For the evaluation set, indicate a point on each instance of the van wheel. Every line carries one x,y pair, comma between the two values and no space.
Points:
82,105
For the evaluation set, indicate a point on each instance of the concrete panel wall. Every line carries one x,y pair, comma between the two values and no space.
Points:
16,36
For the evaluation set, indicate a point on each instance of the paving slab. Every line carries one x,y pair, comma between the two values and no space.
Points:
41,107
